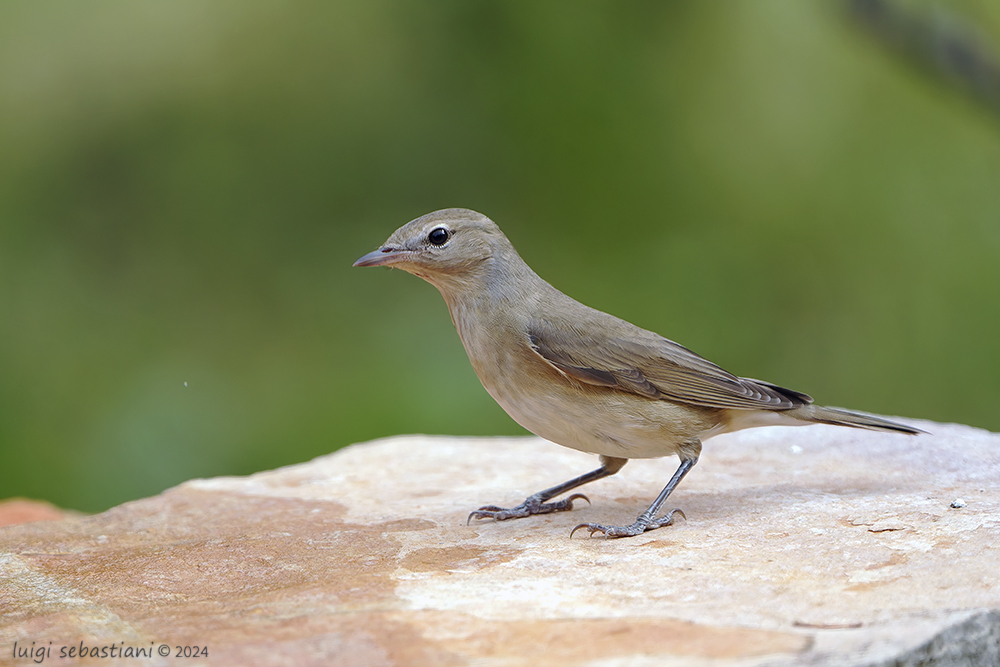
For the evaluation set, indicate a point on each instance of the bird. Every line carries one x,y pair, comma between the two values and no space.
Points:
583,378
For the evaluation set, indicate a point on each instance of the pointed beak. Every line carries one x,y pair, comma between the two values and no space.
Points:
382,257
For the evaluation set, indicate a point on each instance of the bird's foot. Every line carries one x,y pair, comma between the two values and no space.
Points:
533,505
641,525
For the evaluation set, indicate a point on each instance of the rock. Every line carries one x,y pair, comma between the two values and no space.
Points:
22,510
803,546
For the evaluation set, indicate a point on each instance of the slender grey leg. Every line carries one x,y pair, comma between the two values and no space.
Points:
648,519
535,504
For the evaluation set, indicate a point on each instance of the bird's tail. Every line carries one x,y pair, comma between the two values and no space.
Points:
841,417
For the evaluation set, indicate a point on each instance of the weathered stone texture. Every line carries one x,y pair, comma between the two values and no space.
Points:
815,545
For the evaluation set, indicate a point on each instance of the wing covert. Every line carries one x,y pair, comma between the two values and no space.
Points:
653,367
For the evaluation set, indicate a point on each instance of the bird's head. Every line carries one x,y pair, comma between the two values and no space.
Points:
444,247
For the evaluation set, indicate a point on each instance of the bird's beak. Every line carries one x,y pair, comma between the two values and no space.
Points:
382,257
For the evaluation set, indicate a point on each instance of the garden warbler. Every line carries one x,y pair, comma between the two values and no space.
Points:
580,377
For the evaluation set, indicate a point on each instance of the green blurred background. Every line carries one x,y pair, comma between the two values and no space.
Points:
790,192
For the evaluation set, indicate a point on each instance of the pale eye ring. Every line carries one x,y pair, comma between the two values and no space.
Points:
439,236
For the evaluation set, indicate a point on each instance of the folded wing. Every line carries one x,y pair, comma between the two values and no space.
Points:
654,367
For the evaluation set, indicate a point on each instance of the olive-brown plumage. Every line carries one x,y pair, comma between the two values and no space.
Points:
581,377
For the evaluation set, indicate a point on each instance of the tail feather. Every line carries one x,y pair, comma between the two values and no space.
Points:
842,417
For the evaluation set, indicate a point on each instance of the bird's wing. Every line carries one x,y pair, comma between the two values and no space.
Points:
653,367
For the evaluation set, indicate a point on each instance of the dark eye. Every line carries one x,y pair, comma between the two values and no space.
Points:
438,236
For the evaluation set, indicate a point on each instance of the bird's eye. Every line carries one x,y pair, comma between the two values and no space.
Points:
438,236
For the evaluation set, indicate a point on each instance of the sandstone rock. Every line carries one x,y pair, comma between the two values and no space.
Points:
803,546
22,510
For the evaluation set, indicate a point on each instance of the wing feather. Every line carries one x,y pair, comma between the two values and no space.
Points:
653,367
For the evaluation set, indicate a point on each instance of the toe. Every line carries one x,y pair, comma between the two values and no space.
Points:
667,519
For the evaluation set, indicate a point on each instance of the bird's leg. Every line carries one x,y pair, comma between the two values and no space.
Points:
648,519
535,504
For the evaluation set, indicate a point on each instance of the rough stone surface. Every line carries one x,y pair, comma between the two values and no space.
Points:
22,510
803,546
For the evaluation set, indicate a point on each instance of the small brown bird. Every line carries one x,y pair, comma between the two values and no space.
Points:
580,377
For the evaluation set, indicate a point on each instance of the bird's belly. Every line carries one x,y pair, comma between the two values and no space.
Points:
606,421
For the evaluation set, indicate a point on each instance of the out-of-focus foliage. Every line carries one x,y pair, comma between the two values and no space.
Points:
184,185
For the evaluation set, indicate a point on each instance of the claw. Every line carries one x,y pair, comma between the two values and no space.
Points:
527,508
490,512
640,526
484,512
592,527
